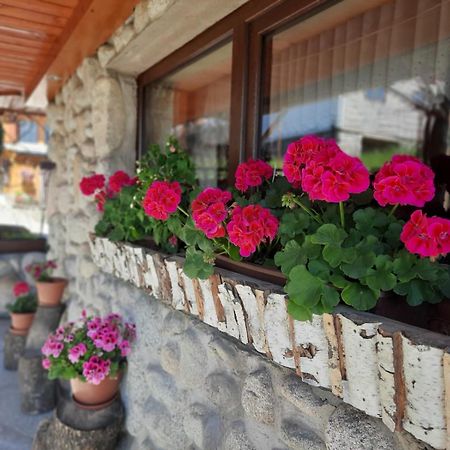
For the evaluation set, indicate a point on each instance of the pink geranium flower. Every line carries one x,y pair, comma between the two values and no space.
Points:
95,370
252,174
250,226
404,180
118,180
88,185
162,199
46,363
209,210
21,288
75,353
427,237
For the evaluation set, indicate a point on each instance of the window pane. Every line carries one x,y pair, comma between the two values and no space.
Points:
374,75
194,105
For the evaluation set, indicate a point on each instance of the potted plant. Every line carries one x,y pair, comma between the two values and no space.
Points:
92,354
49,289
23,308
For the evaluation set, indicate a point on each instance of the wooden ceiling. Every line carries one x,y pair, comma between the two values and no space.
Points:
34,34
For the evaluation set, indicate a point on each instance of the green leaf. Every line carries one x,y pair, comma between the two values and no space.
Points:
368,218
195,265
403,266
303,288
117,234
319,269
381,279
298,312
330,298
328,234
416,292
360,297
277,189
293,223
311,251
291,255
360,266
339,281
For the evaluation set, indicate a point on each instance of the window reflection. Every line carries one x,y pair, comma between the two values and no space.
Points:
373,75
194,105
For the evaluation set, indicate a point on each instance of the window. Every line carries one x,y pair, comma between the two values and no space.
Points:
28,131
373,75
193,104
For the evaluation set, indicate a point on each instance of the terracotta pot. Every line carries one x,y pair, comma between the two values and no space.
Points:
269,274
50,292
15,332
92,395
21,322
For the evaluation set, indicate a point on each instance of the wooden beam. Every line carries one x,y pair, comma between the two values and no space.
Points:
41,7
32,16
93,29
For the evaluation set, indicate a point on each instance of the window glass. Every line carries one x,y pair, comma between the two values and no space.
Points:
28,131
374,75
193,104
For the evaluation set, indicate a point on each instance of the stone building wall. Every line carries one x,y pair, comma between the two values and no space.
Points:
188,386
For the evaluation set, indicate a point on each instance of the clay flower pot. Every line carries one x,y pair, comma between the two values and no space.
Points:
21,322
50,292
95,396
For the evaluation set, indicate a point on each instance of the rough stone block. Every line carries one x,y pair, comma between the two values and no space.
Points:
13,348
37,392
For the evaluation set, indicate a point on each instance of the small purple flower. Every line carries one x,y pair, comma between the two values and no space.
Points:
125,348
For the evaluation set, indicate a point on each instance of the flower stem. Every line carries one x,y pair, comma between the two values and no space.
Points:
183,211
393,210
306,209
341,213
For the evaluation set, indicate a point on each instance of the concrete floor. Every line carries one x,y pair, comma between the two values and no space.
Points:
16,429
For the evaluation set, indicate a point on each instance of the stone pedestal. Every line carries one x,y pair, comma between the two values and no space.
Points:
14,346
73,428
38,393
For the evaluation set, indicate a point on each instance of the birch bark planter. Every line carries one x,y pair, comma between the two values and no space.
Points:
92,396
269,274
50,292
21,323
387,369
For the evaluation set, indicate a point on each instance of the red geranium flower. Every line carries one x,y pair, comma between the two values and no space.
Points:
427,237
250,226
88,185
100,198
209,211
404,180
252,173
162,199
118,180
21,288
301,152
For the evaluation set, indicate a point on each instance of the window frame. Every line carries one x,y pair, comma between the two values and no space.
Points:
246,28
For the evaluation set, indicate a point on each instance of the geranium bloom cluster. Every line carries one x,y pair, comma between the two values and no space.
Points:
88,348
426,236
96,185
41,271
21,288
323,170
251,226
252,174
209,210
162,199
404,180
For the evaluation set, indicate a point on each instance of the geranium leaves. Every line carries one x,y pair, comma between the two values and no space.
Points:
309,293
290,256
360,297
197,264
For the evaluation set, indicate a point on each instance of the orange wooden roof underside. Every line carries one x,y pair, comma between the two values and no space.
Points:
52,36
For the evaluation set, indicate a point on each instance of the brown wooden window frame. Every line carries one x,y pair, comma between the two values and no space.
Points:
246,28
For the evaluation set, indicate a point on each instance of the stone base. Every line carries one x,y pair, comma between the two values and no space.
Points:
14,346
62,431
38,393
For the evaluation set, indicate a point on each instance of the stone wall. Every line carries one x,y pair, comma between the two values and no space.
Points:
188,386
